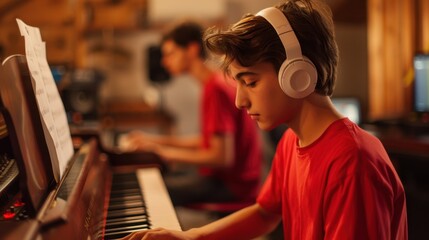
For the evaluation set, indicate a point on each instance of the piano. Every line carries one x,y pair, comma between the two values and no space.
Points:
103,193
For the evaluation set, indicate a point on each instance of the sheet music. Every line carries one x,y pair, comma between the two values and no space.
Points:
53,115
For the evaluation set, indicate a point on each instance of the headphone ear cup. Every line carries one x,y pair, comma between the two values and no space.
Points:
298,78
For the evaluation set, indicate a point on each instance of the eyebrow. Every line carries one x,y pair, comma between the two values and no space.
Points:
241,74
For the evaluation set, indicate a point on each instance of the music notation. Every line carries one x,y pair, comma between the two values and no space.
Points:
54,119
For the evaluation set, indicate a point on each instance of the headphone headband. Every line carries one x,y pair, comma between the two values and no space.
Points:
284,30
297,74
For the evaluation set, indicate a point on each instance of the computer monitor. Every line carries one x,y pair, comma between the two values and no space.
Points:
421,83
349,107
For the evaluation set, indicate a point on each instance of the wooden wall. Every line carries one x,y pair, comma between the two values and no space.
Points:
65,25
396,31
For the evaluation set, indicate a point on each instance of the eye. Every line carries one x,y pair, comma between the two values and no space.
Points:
251,84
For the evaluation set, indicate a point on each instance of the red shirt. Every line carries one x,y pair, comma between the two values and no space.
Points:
220,116
342,186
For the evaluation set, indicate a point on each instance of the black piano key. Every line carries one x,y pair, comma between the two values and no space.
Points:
125,198
120,234
126,211
139,226
124,183
124,192
129,218
113,226
127,204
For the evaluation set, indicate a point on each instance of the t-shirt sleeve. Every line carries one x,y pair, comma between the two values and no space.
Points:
356,208
268,198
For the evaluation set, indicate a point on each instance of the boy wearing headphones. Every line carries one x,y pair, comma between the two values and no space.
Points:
329,179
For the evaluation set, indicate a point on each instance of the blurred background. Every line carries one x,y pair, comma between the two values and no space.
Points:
104,55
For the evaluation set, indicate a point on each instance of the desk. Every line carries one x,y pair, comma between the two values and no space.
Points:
408,149
402,140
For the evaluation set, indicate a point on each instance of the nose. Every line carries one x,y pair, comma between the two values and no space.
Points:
241,100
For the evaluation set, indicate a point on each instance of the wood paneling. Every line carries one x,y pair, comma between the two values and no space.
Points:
423,26
391,45
64,25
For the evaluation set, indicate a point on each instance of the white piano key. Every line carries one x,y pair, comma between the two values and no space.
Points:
159,206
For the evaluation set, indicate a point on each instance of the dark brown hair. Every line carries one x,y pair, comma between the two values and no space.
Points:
253,40
184,33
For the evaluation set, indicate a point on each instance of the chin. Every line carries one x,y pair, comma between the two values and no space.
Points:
265,126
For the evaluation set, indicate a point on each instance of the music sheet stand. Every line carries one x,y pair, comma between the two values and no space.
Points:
21,113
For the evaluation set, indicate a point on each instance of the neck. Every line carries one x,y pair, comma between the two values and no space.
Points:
200,71
317,113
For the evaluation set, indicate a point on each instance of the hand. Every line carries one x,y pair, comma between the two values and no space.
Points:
125,143
137,140
159,234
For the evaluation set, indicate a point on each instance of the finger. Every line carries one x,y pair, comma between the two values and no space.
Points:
145,234
134,236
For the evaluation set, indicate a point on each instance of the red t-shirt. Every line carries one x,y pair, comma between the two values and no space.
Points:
342,186
219,116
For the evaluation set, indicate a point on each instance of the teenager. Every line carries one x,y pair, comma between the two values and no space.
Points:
329,179
228,149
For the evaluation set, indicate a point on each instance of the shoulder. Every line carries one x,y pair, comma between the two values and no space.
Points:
351,151
346,136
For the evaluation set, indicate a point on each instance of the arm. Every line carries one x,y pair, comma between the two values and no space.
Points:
138,139
185,150
219,154
247,223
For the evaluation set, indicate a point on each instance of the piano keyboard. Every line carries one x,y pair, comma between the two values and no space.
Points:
8,171
138,201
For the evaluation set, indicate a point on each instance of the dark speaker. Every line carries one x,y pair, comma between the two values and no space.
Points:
157,73
80,97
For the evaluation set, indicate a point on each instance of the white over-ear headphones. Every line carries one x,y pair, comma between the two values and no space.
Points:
297,74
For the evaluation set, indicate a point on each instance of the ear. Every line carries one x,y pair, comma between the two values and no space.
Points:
194,49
